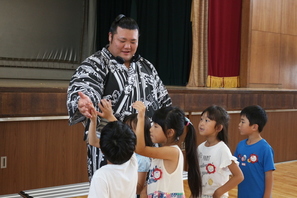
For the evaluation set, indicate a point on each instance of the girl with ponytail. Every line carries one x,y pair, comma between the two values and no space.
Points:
166,171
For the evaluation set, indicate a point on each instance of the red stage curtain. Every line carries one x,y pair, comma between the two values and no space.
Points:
224,42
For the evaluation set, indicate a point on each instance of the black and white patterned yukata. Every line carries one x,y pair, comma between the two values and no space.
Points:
100,76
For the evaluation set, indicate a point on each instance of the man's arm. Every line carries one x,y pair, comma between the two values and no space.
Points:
163,97
88,80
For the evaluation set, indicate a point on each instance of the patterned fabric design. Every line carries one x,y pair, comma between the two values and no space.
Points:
101,76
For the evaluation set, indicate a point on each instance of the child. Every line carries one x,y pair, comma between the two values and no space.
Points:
166,172
143,161
255,155
215,158
119,177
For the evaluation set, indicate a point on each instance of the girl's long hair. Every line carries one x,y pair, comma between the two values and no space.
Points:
221,117
194,176
174,118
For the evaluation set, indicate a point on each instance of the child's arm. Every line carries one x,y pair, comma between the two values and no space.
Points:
166,152
105,107
141,182
268,184
235,179
140,107
93,139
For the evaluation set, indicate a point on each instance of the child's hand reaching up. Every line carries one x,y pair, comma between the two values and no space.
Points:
92,137
106,110
140,107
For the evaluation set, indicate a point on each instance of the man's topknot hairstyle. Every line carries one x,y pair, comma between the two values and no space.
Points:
123,22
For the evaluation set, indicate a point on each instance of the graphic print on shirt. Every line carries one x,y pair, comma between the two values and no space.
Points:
253,158
155,174
209,169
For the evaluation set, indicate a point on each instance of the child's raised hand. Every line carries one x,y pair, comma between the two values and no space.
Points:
106,110
140,107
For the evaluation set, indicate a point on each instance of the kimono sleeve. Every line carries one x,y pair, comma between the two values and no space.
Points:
88,79
163,97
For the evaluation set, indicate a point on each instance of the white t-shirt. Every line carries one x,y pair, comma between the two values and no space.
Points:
214,162
114,181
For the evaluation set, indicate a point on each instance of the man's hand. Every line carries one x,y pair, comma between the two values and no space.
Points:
85,105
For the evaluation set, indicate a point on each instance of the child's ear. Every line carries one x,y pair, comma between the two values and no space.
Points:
219,128
170,133
255,127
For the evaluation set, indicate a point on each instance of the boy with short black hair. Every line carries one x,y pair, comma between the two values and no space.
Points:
119,177
255,155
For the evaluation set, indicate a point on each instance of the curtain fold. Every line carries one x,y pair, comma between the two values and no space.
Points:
165,33
199,62
107,11
90,30
224,43
166,38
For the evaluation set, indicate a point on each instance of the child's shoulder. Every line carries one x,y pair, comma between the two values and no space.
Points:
201,144
265,144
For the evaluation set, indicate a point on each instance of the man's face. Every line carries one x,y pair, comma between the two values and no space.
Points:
123,43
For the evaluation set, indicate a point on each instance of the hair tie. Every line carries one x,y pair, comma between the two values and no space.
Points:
188,121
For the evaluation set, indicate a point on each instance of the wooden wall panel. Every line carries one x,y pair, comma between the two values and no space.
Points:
178,100
40,104
236,101
267,100
265,53
202,101
41,154
266,15
32,101
281,134
285,101
289,19
268,54
288,61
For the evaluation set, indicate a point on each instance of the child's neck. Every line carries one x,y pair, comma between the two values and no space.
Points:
211,142
170,142
252,139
